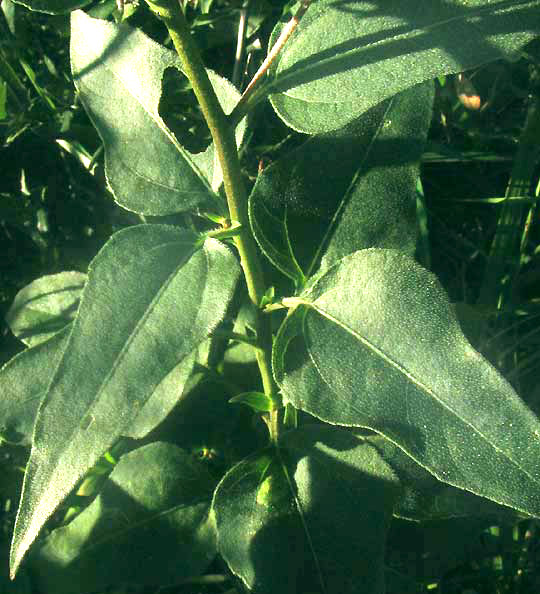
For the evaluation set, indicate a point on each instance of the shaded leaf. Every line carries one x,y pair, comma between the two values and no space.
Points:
118,72
424,498
343,191
324,493
258,401
348,55
151,298
375,343
24,380
53,6
148,525
45,306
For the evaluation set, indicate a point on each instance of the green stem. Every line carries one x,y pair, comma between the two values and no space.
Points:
170,13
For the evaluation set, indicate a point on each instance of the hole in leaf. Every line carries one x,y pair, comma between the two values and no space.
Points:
180,111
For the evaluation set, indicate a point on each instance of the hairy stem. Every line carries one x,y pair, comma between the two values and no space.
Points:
170,13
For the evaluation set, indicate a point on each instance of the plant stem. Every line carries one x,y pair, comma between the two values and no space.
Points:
223,136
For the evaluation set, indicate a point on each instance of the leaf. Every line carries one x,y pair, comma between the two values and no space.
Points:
45,306
346,190
375,343
53,6
24,380
148,525
164,398
26,377
424,498
150,300
118,72
348,55
324,493
257,401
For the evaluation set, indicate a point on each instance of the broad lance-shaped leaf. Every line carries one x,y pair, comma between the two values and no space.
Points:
150,299
347,56
149,525
53,6
45,306
326,497
375,343
118,72
346,190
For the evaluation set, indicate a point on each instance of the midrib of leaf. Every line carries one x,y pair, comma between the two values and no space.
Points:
151,306
162,127
346,195
410,33
302,521
413,380
283,224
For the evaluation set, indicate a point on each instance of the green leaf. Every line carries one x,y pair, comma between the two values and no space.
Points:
347,56
53,6
376,344
3,100
45,306
118,72
258,401
24,380
314,118
164,398
424,498
324,493
346,190
148,525
150,300
26,377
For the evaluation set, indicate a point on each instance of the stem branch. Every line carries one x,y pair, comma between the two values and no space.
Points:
249,94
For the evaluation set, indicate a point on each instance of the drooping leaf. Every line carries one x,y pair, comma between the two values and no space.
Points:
347,56
148,525
424,498
53,6
24,380
325,494
151,298
375,343
45,306
346,190
118,72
